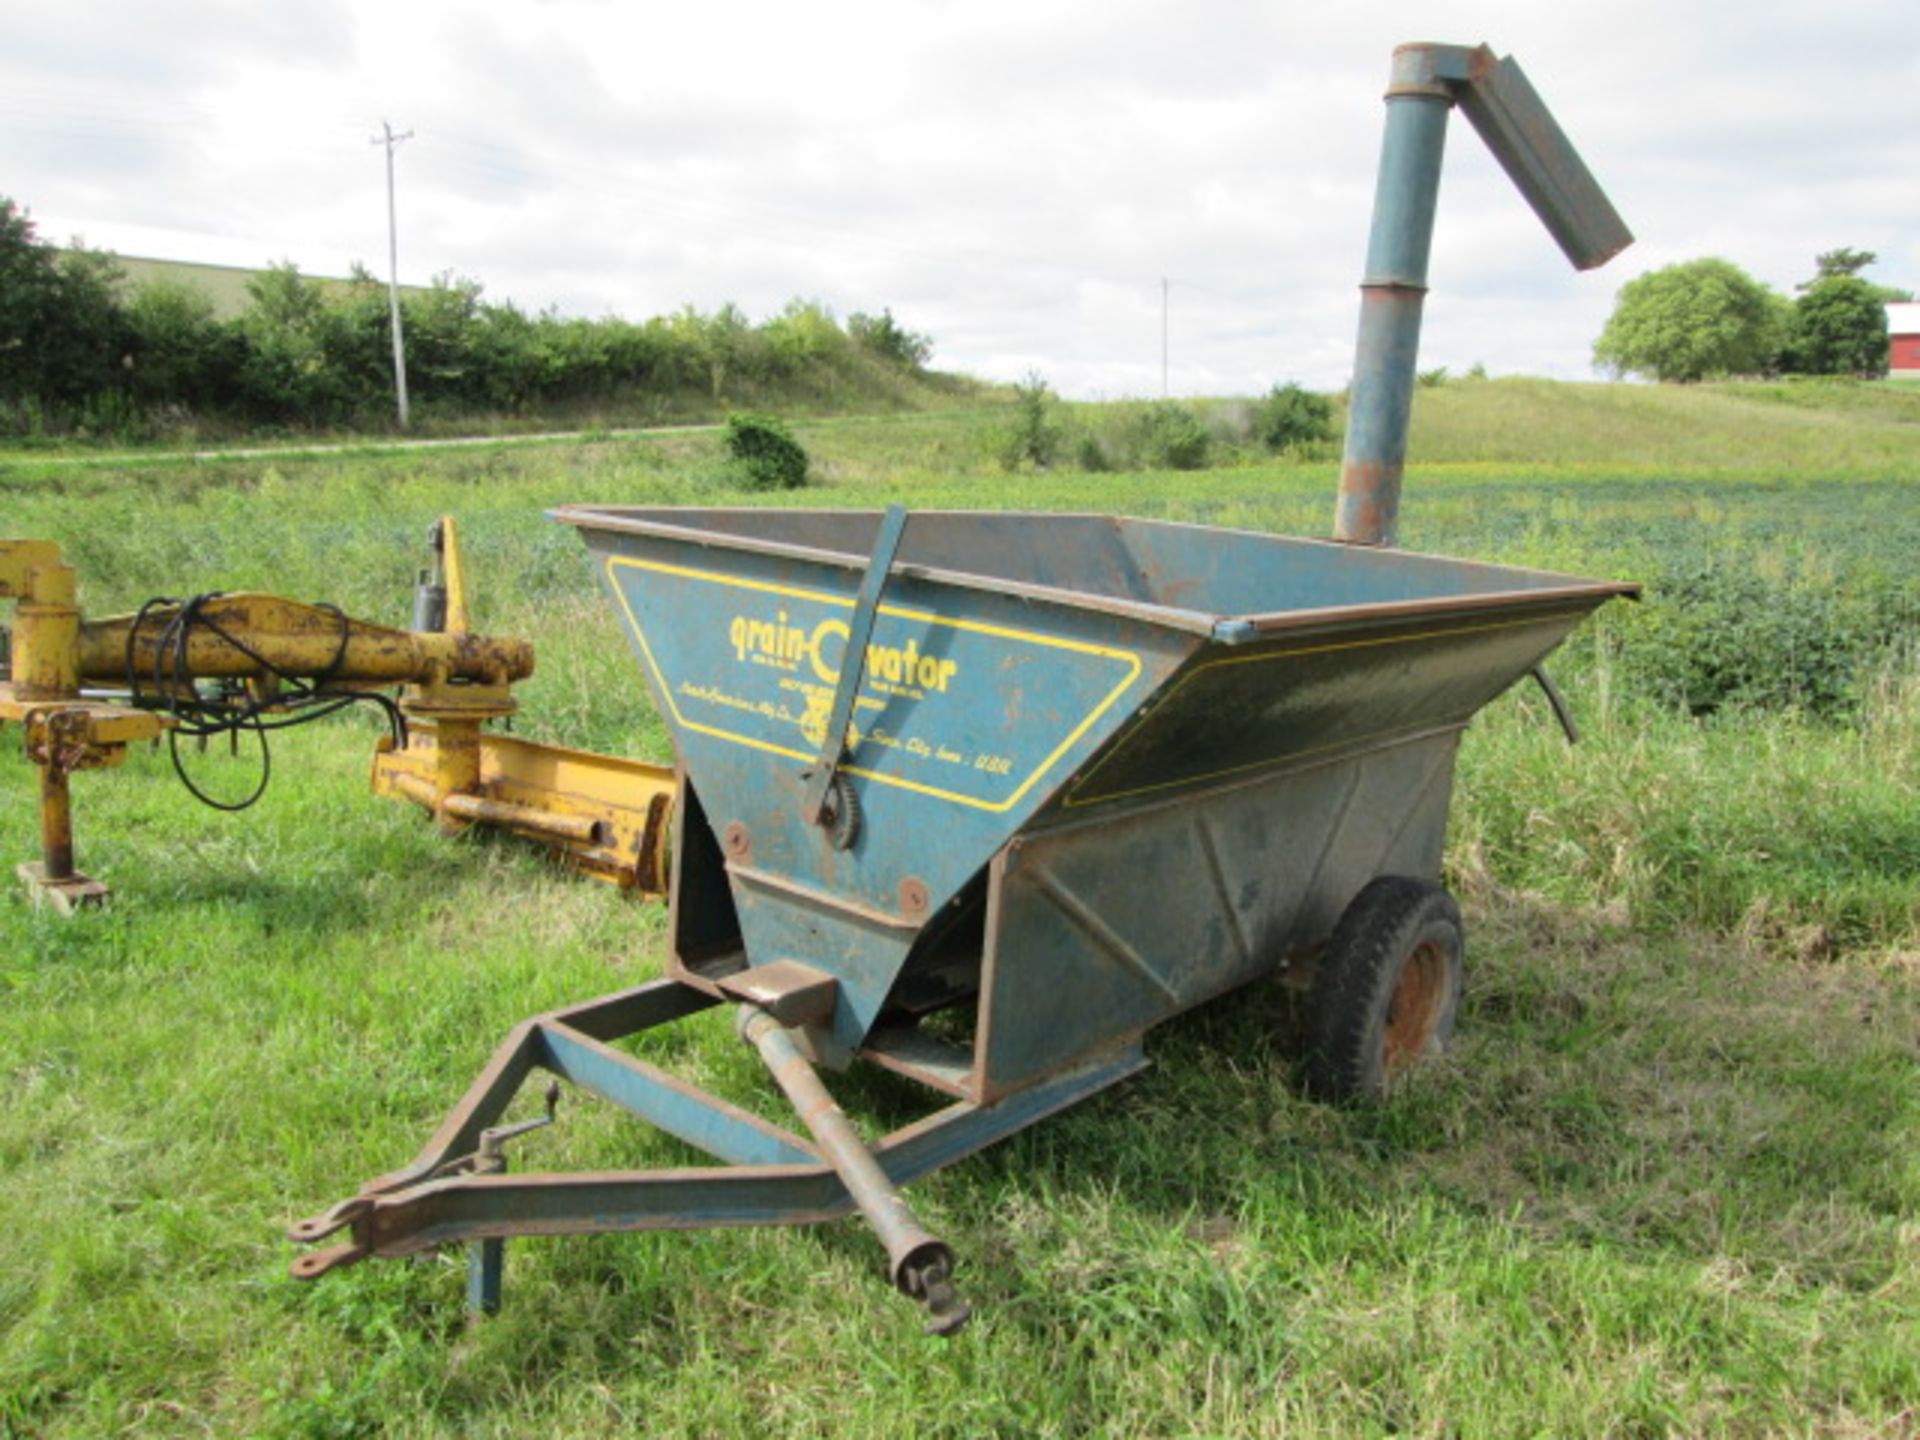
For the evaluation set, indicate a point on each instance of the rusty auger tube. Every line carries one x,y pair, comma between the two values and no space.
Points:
921,1266
1393,294
1427,82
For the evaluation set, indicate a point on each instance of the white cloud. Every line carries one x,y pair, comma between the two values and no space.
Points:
1014,178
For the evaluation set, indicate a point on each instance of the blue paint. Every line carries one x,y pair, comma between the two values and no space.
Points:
1064,663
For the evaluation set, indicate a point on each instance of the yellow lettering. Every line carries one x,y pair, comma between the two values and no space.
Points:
817,648
786,645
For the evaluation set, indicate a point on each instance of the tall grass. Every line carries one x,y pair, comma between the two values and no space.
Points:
1665,1184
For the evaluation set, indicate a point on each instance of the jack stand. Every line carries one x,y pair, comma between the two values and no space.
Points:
60,742
487,1259
486,1269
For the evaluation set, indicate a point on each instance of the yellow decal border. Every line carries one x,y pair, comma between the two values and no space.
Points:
900,612
1078,797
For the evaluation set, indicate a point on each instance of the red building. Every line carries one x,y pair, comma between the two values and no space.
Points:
1903,341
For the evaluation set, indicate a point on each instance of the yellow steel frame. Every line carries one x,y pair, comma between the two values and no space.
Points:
607,816
604,815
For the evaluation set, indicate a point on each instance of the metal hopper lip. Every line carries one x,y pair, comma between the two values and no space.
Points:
1558,591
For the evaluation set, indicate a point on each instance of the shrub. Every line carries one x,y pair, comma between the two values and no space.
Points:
1091,455
1031,438
1171,437
1715,637
763,453
1292,417
801,336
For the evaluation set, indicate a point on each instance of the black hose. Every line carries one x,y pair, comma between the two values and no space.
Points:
230,709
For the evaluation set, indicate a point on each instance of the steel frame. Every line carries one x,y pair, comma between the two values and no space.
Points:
450,1194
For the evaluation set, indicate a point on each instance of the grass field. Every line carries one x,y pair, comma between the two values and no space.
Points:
1667,1183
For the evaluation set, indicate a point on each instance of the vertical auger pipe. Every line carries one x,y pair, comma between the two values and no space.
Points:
921,1266
1392,294
1428,80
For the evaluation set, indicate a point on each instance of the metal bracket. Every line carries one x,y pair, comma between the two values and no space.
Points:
492,1155
1557,702
814,808
792,993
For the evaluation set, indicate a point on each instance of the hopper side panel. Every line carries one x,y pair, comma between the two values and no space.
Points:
1100,930
1237,710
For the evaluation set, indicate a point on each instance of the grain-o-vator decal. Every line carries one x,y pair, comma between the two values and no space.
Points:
761,671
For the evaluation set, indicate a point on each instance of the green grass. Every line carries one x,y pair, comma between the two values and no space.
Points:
1668,1182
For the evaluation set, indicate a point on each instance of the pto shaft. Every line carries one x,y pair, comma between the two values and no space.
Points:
922,1266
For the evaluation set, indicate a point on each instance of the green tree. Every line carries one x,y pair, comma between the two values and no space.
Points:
1839,328
1031,437
1847,261
1693,321
1844,261
890,340
801,337
440,327
181,355
293,373
85,351
63,332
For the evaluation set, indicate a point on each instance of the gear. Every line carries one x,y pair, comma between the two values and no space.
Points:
841,813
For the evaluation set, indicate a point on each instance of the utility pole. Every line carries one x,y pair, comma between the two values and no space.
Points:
1163,337
389,139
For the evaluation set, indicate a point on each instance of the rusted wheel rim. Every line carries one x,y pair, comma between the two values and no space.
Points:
1413,1012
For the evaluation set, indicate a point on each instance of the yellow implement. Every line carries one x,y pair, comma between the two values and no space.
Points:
83,690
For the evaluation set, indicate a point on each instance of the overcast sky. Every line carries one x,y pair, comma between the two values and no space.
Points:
1013,178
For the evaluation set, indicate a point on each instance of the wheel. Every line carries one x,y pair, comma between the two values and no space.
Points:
1387,991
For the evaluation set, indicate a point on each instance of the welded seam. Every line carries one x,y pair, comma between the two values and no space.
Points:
1434,767
1333,833
1087,922
1210,849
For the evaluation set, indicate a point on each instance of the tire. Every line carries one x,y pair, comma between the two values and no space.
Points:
1387,991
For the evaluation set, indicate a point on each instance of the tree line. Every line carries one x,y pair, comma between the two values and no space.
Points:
1704,319
81,350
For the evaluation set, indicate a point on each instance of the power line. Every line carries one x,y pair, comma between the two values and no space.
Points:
388,139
